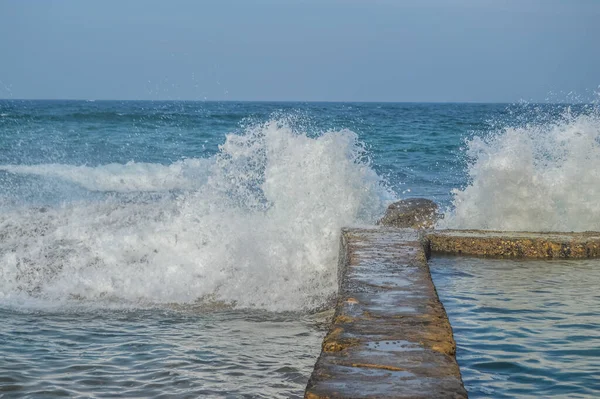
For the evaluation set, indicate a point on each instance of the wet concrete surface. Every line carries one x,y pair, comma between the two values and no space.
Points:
390,336
513,244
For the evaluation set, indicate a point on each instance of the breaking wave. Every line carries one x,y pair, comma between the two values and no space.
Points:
130,177
542,176
257,225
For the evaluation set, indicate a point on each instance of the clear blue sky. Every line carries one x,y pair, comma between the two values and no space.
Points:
310,50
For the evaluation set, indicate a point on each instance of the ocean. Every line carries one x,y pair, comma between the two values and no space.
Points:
159,249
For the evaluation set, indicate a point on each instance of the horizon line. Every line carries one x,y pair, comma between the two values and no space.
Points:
300,101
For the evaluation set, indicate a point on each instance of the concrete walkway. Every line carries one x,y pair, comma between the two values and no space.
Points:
390,336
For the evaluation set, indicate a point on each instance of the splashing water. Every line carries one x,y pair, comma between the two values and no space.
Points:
256,225
540,177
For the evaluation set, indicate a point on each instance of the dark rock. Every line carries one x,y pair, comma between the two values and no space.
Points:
416,213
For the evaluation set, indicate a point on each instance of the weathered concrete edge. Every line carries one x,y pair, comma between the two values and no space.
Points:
390,336
512,244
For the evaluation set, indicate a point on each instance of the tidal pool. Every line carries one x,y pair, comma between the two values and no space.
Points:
523,329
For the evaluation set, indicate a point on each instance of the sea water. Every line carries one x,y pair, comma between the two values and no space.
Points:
189,248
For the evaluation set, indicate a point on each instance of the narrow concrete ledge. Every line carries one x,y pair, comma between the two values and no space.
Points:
390,337
513,244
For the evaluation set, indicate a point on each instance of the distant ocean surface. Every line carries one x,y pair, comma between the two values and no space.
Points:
189,248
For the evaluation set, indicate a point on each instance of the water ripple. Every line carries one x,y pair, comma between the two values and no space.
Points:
524,329
157,354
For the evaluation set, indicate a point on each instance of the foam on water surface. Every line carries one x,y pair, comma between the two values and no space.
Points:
130,177
256,225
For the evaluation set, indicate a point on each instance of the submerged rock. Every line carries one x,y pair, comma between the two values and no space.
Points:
416,213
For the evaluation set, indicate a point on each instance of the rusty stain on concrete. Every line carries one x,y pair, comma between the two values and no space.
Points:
390,337
513,244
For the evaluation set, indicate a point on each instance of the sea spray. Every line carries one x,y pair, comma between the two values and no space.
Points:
257,225
541,176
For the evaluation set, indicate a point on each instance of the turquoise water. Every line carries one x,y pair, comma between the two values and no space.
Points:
184,248
415,146
523,329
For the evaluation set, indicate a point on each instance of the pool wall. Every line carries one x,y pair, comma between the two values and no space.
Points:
513,244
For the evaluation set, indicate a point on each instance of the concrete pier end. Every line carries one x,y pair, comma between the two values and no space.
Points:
390,336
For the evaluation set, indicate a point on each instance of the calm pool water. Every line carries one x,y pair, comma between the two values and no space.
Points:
524,329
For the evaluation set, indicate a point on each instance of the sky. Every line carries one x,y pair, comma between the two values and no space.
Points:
300,50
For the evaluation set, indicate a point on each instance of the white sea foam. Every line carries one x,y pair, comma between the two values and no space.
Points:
259,228
130,177
541,177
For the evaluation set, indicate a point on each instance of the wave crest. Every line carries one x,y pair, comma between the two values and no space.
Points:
539,177
124,178
259,228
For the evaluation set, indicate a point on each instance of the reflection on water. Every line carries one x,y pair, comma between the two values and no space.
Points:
526,329
157,353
